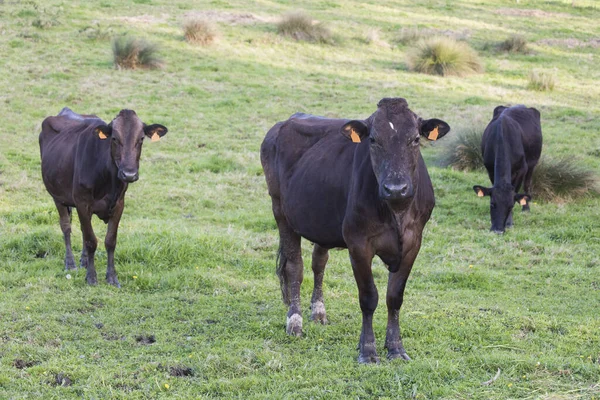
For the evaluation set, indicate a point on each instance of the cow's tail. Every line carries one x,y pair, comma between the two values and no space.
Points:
280,270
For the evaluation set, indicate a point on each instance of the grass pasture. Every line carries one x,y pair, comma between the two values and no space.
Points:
199,314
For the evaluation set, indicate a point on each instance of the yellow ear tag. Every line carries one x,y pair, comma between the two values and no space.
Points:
433,135
101,135
523,201
354,136
155,137
480,193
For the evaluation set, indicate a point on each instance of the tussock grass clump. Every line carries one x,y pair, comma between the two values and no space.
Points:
300,26
410,35
541,81
132,53
199,31
514,44
443,56
561,178
463,152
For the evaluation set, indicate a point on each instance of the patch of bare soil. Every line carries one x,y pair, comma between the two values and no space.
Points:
61,379
571,42
181,370
145,339
22,364
229,18
517,12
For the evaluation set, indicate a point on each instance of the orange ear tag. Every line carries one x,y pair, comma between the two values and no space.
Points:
480,193
354,136
101,135
155,137
523,201
433,135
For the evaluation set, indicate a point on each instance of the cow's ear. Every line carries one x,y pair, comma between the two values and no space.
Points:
355,130
103,131
522,199
434,128
482,191
498,110
155,131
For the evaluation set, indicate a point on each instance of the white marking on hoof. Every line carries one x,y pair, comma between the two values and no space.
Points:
318,313
294,325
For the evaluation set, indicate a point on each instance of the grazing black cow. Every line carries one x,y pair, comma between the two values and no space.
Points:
511,146
88,164
361,185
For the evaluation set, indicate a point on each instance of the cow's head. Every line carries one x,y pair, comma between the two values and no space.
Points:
126,133
394,133
502,201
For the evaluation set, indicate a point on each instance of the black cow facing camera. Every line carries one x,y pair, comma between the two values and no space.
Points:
88,164
511,147
360,185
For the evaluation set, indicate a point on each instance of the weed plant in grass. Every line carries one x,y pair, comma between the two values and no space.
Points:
541,81
514,44
199,31
300,26
556,179
443,56
133,53
463,151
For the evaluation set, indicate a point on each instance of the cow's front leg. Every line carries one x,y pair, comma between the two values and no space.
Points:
89,243
317,305
361,260
110,242
395,296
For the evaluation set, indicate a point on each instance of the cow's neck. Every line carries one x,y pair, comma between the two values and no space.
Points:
502,165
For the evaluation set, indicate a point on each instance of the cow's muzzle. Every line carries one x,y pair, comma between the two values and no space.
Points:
128,175
397,191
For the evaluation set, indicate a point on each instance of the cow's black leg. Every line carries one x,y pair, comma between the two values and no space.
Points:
368,298
290,270
64,213
110,242
89,243
395,296
527,185
317,305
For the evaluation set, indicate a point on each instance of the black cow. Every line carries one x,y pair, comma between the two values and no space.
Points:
361,185
88,164
511,146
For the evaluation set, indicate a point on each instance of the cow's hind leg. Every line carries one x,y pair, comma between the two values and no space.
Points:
89,244
110,242
317,305
290,270
64,213
395,297
527,185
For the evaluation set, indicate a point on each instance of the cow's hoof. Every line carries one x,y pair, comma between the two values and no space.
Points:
91,280
70,265
368,359
294,325
318,312
392,355
83,263
113,281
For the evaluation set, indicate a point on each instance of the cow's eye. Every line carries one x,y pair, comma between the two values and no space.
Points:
417,140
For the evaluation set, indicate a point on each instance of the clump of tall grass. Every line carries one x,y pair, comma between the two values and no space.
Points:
410,35
443,56
199,31
463,151
514,44
562,178
300,26
541,81
132,53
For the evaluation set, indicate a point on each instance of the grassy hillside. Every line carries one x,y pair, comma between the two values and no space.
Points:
199,314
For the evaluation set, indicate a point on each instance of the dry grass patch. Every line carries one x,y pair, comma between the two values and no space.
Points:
443,56
514,44
132,53
199,31
541,81
300,26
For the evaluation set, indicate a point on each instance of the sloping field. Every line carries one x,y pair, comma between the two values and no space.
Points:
199,314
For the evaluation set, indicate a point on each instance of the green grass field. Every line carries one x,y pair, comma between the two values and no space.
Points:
199,314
